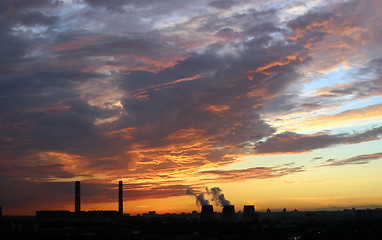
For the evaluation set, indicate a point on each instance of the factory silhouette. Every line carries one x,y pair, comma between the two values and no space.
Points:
228,224
207,212
78,213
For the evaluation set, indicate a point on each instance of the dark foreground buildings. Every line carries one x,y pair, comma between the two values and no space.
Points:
362,224
229,213
207,213
249,212
77,196
120,197
348,224
98,214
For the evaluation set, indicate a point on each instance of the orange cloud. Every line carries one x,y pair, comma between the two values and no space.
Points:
281,62
352,117
143,93
249,173
218,108
176,81
126,133
185,134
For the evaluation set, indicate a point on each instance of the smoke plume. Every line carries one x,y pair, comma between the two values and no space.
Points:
217,196
200,200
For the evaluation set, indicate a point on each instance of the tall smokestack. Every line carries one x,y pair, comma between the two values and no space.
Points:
207,213
120,197
229,213
77,203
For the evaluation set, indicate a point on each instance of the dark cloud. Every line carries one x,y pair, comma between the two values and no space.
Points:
224,4
250,23
204,96
289,142
185,105
138,95
150,8
14,7
116,3
39,195
12,47
316,158
37,173
361,159
35,18
43,113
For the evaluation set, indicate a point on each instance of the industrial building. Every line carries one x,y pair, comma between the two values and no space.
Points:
98,214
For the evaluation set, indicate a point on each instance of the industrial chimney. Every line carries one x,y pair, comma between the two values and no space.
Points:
229,213
120,197
249,212
207,213
77,203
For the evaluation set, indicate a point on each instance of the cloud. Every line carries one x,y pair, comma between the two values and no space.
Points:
315,159
161,92
319,109
289,142
11,8
333,33
225,4
250,173
199,197
361,159
301,121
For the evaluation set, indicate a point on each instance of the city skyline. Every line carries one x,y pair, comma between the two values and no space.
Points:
204,201
276,104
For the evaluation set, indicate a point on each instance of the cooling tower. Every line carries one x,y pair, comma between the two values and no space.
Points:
77,201
229,213
120,197
207,213
249,212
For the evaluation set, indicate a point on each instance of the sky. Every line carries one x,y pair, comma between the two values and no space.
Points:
276,103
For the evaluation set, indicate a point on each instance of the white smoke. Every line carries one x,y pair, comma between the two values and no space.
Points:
200,200
217,196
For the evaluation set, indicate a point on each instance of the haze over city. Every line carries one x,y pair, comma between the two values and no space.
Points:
271,103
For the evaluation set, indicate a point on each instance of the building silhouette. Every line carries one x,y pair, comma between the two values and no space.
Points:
77,201
229,213
207,213
249,212
120,197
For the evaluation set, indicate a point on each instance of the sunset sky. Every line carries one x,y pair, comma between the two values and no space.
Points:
276,102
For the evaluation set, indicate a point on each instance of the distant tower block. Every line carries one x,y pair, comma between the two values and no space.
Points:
207,213
120,197
77,203
229,213
249,212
